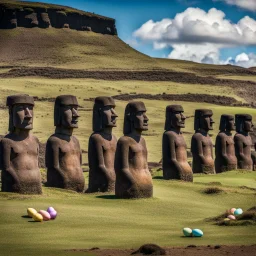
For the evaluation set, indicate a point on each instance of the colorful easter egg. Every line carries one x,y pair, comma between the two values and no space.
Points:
50,209
231,217
232,210
53,214
37,217
187,231
197,232
31,212
238,211
226,219
46,215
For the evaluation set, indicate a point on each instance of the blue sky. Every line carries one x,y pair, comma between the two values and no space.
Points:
133,26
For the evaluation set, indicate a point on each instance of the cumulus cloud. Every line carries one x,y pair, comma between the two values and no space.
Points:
245,4
197,35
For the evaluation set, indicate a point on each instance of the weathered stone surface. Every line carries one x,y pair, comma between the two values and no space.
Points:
63,153
225,157
174,148
28,17
201,143
20,149
243,141
102,146
133,179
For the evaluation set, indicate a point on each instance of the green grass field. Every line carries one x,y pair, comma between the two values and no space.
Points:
100,220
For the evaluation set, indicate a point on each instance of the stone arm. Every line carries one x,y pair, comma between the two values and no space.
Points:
96,151
221,147
239,148
173,155
197,148
123,160
52,160
6,150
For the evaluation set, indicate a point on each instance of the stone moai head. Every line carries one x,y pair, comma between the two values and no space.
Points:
227,123
104,114
20,112
135,117
203,120
65,111
244,123
174,117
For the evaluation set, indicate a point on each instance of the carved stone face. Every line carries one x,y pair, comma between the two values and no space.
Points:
177,120
230,126
69,116
109,116
248,125
206,122
140,121
22,115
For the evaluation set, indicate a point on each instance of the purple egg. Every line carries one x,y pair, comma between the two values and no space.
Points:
50,209
53,214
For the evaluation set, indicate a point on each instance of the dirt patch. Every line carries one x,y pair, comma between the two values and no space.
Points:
210,250
190,97
213,190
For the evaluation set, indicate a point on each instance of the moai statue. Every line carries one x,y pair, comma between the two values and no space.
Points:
63,153
102,146
20,149
225,157
133,179
201,144
243,141
174,148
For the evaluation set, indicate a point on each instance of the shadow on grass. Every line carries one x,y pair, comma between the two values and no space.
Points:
158,178
107,197
25,217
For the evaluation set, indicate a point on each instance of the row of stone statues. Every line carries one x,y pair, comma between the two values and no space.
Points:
119,166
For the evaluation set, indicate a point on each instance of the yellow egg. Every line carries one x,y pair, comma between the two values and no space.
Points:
38,217
31,212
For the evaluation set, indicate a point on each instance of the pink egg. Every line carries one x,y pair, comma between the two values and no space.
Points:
231,217
50,209
232,210
46,215
53,214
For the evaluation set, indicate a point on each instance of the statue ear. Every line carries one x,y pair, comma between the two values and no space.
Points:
100,116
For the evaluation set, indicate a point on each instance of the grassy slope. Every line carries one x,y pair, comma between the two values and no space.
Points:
87,221
69,49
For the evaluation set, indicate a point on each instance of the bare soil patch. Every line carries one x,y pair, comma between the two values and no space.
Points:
213,99
192,250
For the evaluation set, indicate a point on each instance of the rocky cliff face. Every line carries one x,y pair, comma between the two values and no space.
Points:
43,17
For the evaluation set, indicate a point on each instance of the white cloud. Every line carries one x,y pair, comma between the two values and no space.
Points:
245,4
198,36
246,60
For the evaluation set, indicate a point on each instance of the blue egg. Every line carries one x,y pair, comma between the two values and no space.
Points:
238,211
197,232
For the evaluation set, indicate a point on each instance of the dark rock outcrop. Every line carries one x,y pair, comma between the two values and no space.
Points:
13,16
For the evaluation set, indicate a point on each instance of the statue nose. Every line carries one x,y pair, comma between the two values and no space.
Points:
75,113
28,113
